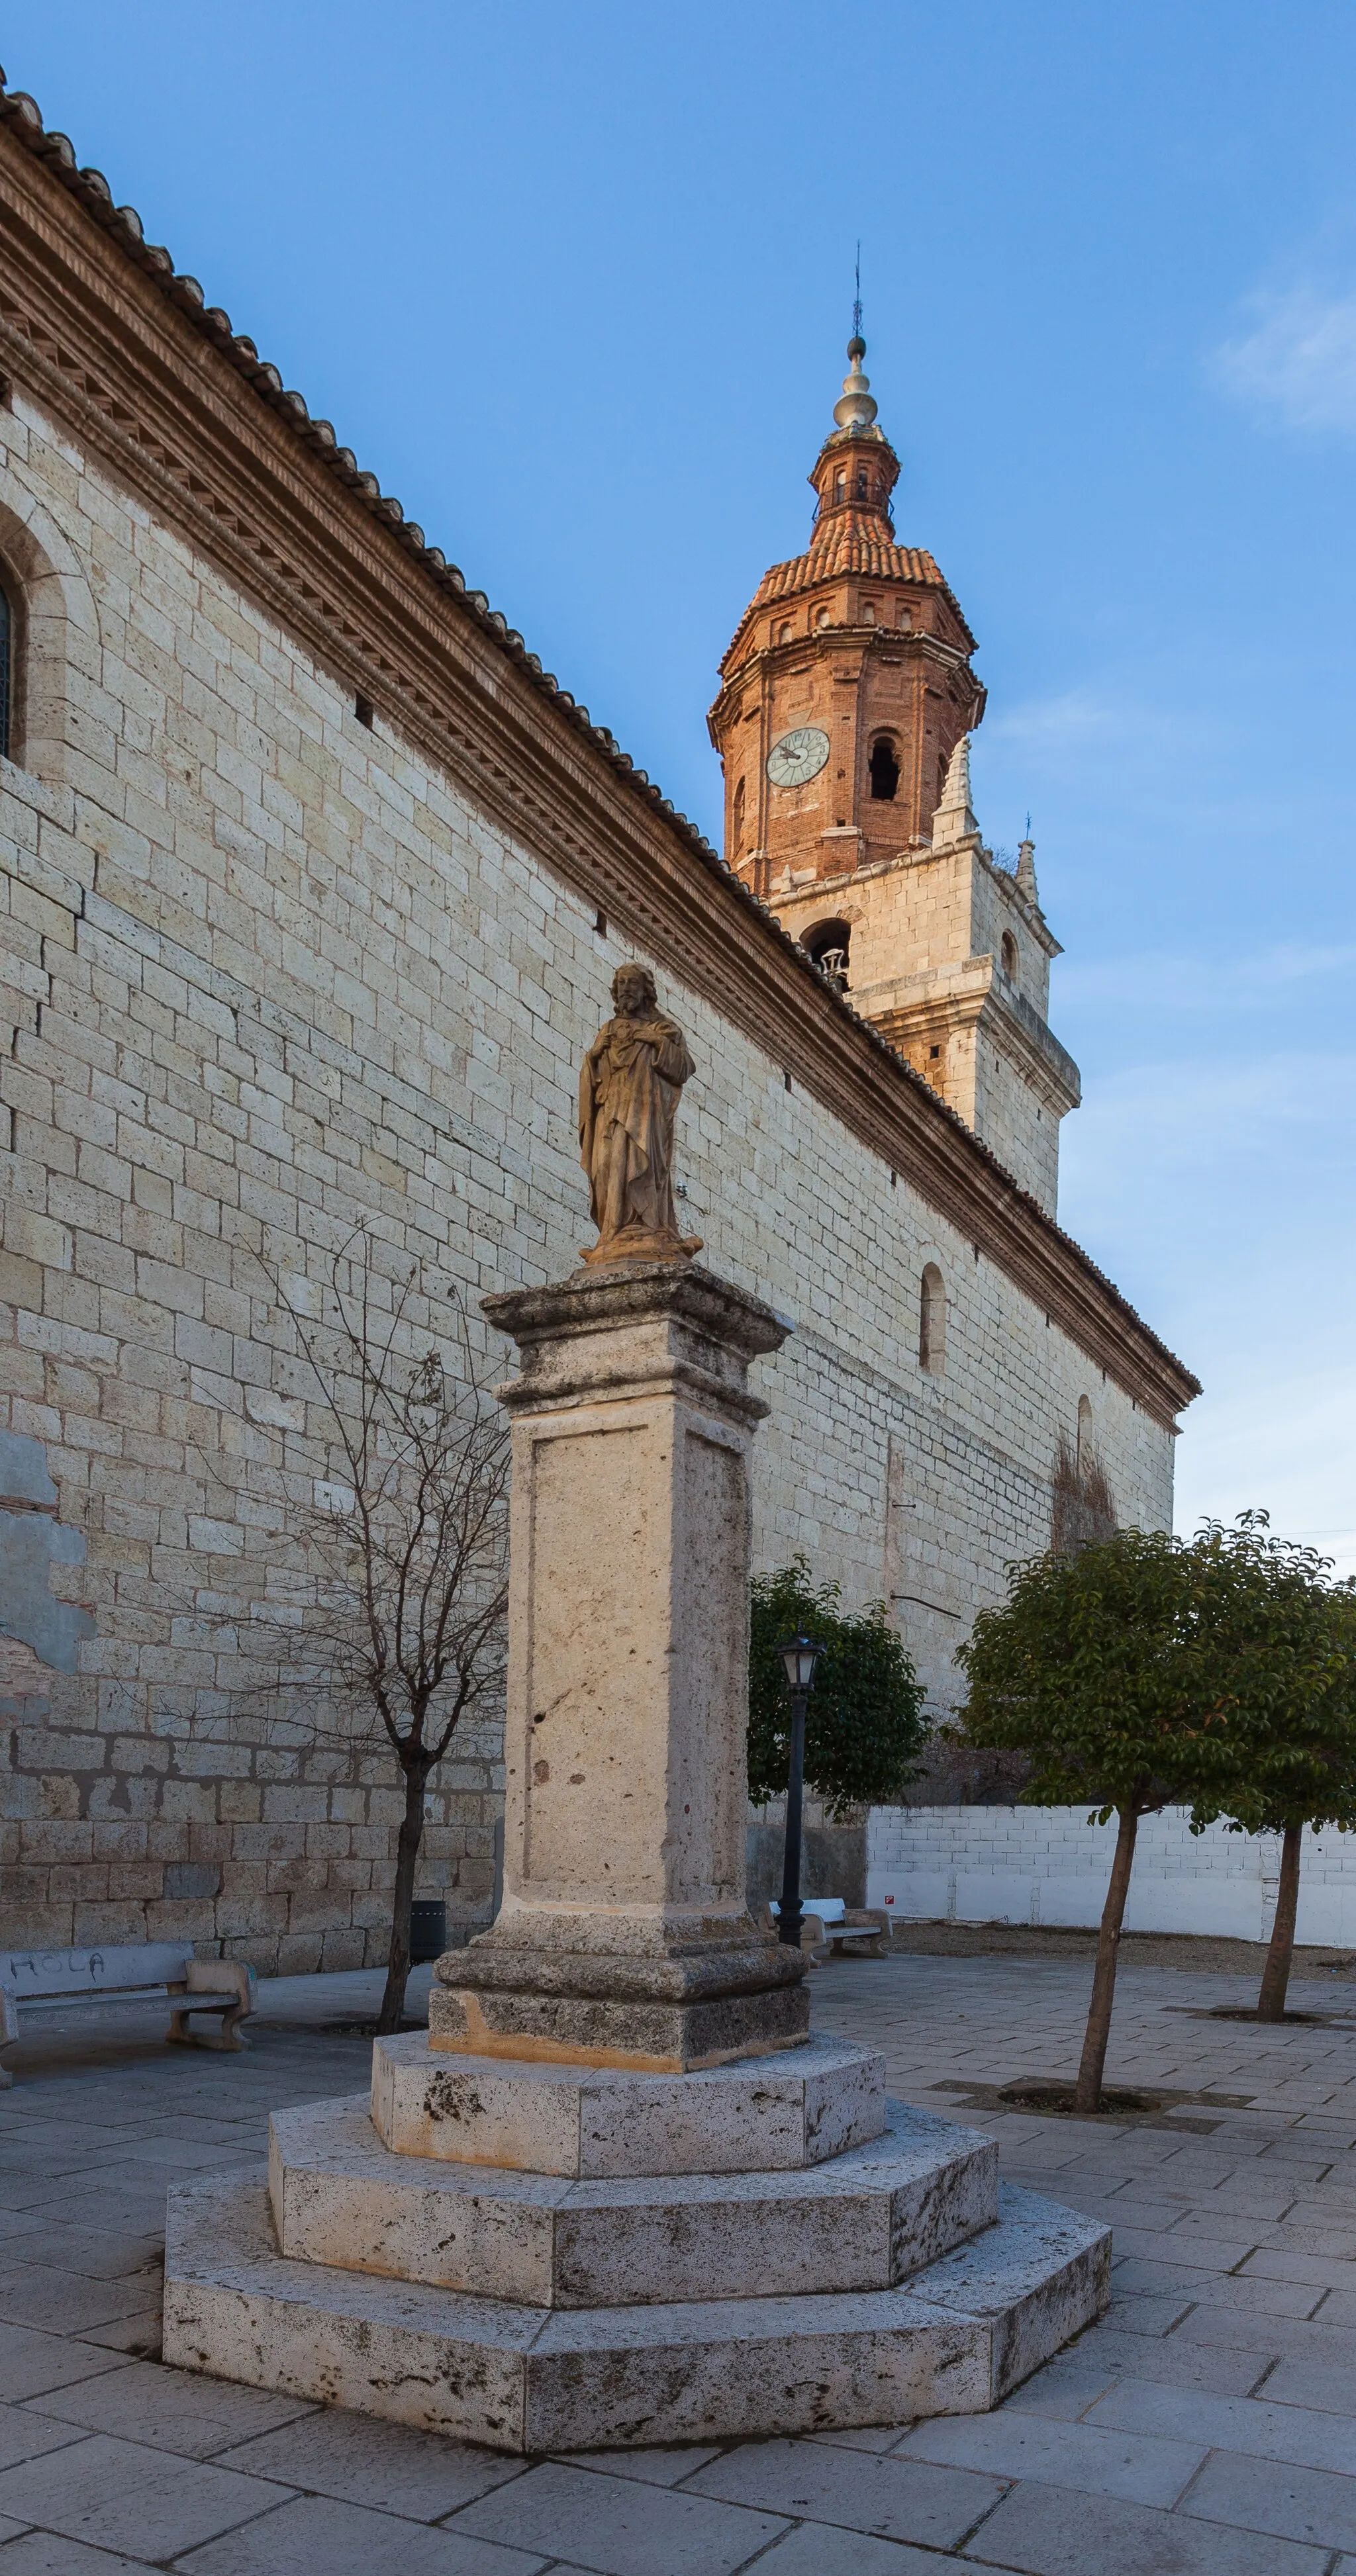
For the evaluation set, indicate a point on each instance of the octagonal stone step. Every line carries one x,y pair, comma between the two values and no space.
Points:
864,2221
526,2379
761,2115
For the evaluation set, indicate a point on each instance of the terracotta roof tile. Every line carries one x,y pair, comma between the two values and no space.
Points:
845,541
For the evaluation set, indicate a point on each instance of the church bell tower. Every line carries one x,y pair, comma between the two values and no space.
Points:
846,706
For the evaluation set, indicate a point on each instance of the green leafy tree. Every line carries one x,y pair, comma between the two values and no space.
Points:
864,1722
1281,1748
1091,1669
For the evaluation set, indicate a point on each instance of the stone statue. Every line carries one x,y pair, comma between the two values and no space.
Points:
628,1102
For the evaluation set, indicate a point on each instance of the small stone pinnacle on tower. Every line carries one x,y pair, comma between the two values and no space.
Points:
1026,867
856,406
954,819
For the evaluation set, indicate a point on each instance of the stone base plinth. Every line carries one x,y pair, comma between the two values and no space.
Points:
870,2269
865,2220
962,2334
611,1990
593,2030
773,2116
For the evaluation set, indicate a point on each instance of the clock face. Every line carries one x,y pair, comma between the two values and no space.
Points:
798,756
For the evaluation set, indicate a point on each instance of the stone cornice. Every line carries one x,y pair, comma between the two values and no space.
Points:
976,995
122,353
901,644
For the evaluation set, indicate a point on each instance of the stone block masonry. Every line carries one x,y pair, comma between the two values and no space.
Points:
270,975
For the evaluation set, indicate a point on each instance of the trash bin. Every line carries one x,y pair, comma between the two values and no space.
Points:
428,1930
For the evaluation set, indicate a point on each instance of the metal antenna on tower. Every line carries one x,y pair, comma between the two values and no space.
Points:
857,305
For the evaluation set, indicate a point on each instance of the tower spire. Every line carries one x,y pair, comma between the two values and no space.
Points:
856,406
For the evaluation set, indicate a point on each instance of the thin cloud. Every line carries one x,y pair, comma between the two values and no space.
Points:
1074,717
1194,983
1296,365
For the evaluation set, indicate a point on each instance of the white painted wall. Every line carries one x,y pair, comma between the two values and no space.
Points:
1049,1865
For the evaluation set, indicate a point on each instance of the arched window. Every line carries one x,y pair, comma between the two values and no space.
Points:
903,614
840,484
6,670
737,817
1009,954
861,483
785,631
828,943
884,769
932,1322
824,617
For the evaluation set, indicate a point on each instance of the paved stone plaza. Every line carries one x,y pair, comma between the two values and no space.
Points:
1204,2429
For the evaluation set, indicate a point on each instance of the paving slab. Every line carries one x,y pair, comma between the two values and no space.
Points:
1050,2531
816,2549
667,2467
1145,2467
36,2294
898,2499
44,2553
320,2536
1135,2279
173,2410
387,2467
24,2436
31,2362
1167,2360
128,2496
1268,2496
1260,2427
620,2526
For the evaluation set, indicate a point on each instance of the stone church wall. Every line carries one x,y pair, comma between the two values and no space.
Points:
267,976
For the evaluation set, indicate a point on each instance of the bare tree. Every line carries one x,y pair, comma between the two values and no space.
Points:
406,1548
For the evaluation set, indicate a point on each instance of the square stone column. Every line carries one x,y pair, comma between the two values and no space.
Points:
624,1938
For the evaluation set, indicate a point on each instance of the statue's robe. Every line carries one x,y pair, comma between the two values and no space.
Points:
628,1099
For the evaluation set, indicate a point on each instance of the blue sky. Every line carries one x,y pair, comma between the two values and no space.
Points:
575,282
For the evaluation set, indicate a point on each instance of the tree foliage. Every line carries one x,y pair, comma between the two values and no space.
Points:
864,1722
1280,1747
1284,1749
1219,1673
1087,1669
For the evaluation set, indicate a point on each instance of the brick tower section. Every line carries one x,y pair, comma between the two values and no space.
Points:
860,642
847,701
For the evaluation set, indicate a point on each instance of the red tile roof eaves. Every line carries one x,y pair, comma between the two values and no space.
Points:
24,118
859,541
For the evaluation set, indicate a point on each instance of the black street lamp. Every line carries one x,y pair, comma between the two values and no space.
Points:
799,1657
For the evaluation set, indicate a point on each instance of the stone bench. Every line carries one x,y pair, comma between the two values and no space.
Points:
830,1923
33,1979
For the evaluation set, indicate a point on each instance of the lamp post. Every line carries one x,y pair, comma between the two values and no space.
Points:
799,1657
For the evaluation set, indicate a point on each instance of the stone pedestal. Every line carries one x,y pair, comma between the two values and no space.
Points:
624,1938
619,2195
554,2257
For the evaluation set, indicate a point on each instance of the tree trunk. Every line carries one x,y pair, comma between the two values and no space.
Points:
1088,2090
407,1862
1276,1974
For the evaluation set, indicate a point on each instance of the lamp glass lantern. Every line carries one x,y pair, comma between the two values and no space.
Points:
799,1656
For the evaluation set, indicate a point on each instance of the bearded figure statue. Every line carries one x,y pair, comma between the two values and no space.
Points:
628,1104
